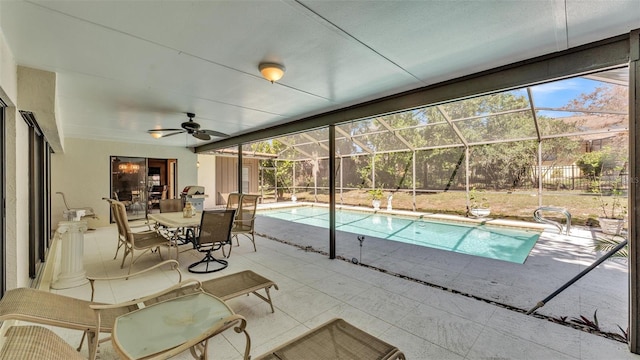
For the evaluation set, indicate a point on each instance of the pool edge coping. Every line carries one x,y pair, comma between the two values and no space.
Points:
418,215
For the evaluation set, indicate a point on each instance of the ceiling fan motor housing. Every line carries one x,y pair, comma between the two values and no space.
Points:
190,125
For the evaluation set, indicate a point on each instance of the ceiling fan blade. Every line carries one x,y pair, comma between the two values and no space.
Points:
162,130
173,133
214,133
201,135
163,134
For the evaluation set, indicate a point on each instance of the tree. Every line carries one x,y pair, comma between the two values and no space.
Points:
283,168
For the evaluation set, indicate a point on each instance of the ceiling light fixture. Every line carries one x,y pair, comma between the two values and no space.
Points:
271,71
156,134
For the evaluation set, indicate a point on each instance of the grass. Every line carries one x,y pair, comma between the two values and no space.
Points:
518,205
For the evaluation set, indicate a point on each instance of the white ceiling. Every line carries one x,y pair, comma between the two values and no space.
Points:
124,67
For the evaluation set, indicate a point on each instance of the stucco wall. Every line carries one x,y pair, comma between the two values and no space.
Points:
82,173
17,210
206,178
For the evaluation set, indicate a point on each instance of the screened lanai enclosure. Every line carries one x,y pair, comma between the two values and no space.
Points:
562,143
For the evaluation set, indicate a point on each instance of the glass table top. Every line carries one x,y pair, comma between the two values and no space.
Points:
165,325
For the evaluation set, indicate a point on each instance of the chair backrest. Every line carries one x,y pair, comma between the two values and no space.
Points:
120,215
233,201
247,212
170,205
110,201
215,227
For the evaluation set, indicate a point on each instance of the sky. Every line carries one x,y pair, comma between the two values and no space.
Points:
559,93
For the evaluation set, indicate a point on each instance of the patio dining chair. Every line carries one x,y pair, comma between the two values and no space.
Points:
245,219
233,201
172,205
214,234
136,241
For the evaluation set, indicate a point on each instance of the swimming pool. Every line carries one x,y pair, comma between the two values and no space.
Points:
493,242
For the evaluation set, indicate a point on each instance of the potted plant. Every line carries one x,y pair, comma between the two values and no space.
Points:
611,202
376,197
478,204
612,211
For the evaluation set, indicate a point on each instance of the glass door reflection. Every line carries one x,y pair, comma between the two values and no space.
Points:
128,184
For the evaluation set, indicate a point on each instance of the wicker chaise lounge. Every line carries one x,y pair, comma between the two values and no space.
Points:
36,343
335,339
43,307
240,283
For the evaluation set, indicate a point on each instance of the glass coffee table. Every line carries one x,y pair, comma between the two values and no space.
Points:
172,326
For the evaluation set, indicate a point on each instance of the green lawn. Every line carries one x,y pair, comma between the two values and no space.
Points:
511,205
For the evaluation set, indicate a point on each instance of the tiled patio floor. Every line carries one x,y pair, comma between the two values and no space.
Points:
423,321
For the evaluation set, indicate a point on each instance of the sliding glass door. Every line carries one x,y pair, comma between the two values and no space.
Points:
129,184
39,196
140,183
3,193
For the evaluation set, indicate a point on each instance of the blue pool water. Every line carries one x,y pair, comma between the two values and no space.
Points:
494,242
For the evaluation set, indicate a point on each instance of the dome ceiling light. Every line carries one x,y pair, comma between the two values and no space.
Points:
271,71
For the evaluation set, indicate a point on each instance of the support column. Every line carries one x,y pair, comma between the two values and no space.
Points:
239,168
414,181
332,191
275,177
373,171
466,176
341,199
539,173
261,181
293,181
634,192
71,238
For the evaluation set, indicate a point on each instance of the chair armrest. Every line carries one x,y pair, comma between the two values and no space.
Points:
135,302
174,266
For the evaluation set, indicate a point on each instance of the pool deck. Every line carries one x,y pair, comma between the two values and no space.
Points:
425,322
553,261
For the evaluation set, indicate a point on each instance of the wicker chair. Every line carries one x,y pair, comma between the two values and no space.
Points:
136,241
214,233
245,219
43,307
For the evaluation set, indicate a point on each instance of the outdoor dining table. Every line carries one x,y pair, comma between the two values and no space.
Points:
176,220
169,327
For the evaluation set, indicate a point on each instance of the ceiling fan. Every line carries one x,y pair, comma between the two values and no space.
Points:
190,127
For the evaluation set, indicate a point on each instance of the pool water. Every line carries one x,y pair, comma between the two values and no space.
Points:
493,242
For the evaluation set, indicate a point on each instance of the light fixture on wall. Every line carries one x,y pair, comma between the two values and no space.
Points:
271,71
